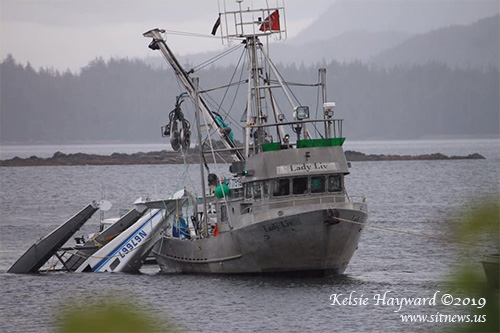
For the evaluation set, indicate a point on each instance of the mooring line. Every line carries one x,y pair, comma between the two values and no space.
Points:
416,234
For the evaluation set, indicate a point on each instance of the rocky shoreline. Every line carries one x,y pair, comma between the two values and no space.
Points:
354,156
170,157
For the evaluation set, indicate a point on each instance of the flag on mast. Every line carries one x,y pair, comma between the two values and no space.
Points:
216,26
271,23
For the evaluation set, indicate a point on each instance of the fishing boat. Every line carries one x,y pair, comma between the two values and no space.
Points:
285,207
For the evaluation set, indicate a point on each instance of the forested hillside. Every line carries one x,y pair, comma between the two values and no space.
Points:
475,45
126,100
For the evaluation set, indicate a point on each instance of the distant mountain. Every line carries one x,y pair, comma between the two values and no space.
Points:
475,45
371,32
408,16
354,45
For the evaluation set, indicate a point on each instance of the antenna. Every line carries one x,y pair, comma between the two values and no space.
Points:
250,22
105,205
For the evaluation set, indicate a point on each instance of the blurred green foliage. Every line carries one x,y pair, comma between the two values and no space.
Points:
112,315
479,225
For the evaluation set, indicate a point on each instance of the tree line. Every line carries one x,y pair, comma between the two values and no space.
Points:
126,100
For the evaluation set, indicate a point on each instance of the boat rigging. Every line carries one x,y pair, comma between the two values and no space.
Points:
286,195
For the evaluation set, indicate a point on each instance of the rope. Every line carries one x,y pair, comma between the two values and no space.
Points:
214,59
298,84
224,86
190,34
53,265
185,179
238,88
231,81
447,240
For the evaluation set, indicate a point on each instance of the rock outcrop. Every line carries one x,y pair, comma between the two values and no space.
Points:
170,157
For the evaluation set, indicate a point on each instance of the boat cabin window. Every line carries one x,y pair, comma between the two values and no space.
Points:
114,264
303,185
299,185
281,187
248,191
335,183
265,189
257,191
317,184
236,193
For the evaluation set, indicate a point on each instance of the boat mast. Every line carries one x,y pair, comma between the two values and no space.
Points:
322,75
252,45
249,24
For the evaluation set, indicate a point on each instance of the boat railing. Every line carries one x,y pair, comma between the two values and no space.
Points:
293,202
336,124
332,139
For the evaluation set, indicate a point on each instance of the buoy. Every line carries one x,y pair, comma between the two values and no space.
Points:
222,191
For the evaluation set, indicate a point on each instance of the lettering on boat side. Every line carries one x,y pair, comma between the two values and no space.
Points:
133,243
281,225
306,167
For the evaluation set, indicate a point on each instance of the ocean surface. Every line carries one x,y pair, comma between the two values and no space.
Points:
424,197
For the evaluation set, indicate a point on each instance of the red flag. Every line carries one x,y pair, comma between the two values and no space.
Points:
272,22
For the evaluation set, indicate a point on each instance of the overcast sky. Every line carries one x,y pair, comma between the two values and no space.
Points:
68,34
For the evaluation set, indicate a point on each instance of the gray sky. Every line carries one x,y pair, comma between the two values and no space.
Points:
68,34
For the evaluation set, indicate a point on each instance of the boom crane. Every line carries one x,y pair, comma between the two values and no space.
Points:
159,43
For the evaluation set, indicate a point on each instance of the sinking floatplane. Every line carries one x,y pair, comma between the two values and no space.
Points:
121,246
285,207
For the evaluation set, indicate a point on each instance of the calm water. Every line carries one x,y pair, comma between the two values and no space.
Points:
421,196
